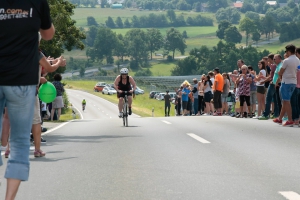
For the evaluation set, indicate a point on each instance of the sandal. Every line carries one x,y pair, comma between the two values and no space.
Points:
39,153
6,154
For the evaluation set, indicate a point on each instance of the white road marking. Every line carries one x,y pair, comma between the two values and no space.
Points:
166,122
196,137
290,195
53,129
81,116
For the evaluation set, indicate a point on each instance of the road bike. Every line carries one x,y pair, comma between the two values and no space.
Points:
125,109
83,107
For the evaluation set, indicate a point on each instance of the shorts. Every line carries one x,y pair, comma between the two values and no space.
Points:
184,105
253,97
261,89
286,91
37,113
244,98
123,94
58,102
224,98
207,96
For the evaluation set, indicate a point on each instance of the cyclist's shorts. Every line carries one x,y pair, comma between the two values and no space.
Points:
123,94
83,103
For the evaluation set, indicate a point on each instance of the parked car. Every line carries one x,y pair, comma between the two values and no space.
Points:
138,91
172,95
152,94
109,90
160,97
99,86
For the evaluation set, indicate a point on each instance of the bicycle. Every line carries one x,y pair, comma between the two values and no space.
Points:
83,107
125,109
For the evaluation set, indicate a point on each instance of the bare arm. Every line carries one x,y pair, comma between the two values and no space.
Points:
281,71
48,34
132,82
51,68
116,83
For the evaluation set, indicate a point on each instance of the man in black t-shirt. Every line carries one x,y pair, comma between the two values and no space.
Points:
167,98
19,66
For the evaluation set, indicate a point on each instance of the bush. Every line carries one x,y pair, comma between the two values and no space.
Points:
169,58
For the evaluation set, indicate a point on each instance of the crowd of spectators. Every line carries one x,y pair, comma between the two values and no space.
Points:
272,90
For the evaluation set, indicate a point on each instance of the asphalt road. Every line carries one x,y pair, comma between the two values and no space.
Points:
197,157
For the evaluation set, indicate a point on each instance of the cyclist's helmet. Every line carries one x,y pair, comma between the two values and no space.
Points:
124,71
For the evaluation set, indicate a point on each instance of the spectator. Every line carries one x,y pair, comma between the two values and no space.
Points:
195,96
58,102
18,80
225,92
288,72
234,77
5,133
243,83
208,95
217,90
178,100
185,98
167,98
271,91
190,102
201,95
295,99
253,95
260,78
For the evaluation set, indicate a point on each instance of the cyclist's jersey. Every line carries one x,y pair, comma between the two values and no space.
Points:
125,87
83,102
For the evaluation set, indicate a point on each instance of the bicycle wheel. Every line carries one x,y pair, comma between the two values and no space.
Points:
124,113
126,116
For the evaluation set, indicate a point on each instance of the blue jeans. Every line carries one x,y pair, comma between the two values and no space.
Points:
196,106
271,94
20,103
295,104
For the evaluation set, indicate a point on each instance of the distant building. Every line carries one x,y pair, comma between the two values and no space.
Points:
272,3
238,5
116,6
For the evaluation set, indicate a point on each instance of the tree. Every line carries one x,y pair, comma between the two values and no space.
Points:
256,36
119,22
110,22
155,40
91,35
230,14
171,15
232,35
216,4
223,25
174,41
184,34
67,35
103,3
91,21
135,21
127,23
252,15
268,25
120,50
187,66
82,71
247,7
248,26
105,43
137,47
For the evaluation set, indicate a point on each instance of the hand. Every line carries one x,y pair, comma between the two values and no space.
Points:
120,91
43,80
130,91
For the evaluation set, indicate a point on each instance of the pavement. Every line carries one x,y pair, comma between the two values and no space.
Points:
51,126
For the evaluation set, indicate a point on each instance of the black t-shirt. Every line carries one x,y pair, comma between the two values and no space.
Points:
268,72
20,21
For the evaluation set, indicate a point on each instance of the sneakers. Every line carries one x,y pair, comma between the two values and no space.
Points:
2,148
6,154
120,114
129,112
44,130
278,121
43,140
39,153
238,115
263,118
288,124
255,117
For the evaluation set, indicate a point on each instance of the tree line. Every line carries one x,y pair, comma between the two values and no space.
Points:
224,56
137,44
154,21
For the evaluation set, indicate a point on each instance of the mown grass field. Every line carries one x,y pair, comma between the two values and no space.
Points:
142,105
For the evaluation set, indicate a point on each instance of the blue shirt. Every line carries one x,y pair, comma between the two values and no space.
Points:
185,96
252,85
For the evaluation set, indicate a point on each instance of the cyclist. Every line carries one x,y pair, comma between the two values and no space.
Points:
122,83
83,104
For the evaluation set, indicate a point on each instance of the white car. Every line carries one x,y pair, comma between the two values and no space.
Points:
160,97
138,91
109,90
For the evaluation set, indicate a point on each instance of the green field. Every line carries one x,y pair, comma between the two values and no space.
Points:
142,105
101,14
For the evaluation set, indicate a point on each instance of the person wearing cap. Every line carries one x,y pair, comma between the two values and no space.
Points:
218,89
167,98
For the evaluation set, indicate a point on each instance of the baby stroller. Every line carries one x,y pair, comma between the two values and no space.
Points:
231,102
